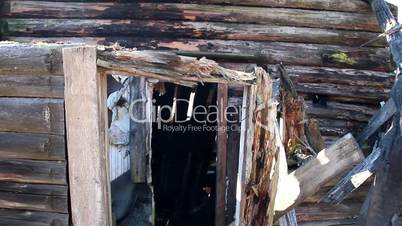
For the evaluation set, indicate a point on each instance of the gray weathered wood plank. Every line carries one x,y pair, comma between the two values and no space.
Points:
32,146
32,115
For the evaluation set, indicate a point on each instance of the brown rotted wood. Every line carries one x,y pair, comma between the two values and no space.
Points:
32,218
294,120
264,152
186,29
32,115
170,66
38,172
269,53
194,12
32,86
221,162
17,59
32,146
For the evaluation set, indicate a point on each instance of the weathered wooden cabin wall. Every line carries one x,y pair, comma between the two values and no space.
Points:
317,41
33,174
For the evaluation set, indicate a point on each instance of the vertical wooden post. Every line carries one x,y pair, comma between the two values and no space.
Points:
90,200
222,140
140,129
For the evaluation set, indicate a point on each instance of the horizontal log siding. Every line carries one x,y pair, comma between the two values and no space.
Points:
317,40
33,167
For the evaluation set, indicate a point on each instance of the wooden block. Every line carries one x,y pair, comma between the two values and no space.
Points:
32,146
309,178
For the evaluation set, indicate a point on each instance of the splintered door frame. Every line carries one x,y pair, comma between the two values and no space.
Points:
86,69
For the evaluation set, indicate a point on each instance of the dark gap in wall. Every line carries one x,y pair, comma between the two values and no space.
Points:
184,160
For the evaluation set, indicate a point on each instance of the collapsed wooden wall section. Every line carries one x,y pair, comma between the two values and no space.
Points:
33,175
318,41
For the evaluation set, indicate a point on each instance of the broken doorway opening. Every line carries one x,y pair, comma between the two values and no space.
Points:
184,154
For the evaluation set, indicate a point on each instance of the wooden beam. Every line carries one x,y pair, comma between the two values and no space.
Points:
186,29
261,159
27,8
140,129
32,146
222,141
19,59
37,172
376,59
169,66
194,12
32,115
23,217
32,86
85,139
328,164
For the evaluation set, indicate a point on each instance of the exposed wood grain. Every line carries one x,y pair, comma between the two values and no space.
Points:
194,12
32,218
32,86
32,146
39,172
170,66
263,155
17,59
313,135
85,139
221,162
328,164
32,115
186,29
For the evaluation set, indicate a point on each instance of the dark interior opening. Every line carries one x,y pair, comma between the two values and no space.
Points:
184,157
